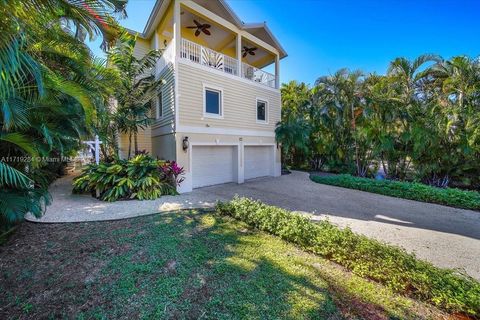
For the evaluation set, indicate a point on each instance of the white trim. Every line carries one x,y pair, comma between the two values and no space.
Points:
159,106
259,144
221,73
176,54
267,103
225,131
212,88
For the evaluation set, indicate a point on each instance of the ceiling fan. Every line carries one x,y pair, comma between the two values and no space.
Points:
201,27
247,50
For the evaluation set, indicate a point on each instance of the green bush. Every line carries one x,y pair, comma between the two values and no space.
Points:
369,258
407,190
141,177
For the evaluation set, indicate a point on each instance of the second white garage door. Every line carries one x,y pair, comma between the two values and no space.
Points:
212,165
258,161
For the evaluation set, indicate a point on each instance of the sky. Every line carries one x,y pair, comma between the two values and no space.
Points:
322,36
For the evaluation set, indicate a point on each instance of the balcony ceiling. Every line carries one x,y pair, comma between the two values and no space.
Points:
222,40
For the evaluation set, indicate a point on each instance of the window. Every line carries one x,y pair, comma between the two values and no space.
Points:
262,110
159,106
213,102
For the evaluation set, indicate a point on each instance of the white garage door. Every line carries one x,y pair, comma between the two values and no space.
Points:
258,161
212,165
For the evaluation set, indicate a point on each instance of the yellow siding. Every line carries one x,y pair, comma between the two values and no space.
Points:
144,143
239,100
142,47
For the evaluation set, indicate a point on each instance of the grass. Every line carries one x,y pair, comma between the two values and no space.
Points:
387,264
407,190
182,265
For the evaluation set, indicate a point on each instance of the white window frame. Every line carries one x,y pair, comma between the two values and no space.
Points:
158,105
220,109
266,110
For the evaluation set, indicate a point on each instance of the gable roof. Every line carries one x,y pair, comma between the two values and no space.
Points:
222,9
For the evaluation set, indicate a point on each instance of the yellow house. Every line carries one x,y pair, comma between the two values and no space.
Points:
216,112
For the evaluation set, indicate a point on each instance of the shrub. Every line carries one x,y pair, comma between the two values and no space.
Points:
408,190
141,177
392,266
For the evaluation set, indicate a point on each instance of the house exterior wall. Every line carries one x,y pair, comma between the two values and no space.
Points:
239,100
164,147
142,47
184,157
143,139
166,123
183,102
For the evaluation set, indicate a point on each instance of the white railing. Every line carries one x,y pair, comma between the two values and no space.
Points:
166,58
208,57
257,75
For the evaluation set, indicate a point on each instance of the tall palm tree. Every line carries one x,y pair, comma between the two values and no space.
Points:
338,101
405,79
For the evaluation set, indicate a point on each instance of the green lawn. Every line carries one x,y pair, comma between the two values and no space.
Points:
181,265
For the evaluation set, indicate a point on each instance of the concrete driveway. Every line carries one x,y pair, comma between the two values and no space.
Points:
445,236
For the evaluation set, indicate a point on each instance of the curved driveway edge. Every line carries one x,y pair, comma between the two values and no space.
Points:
447,237
67,207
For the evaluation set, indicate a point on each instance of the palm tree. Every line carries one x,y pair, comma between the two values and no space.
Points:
49,90
293,134
405,80
338,103
137,89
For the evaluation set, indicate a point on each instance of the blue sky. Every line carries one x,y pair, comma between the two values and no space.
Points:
322,36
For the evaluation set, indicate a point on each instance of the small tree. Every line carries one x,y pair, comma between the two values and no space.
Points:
138,87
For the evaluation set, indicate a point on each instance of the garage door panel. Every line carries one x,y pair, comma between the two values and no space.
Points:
212,165
258,161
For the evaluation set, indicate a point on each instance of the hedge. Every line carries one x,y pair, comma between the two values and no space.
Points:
389,265
407,190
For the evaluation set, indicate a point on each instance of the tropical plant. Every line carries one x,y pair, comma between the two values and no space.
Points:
419,121
139,86
49,91
140,177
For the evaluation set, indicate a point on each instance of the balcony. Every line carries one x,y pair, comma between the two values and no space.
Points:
216,60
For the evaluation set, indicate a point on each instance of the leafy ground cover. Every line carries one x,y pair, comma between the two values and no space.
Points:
141,177
387,264
407,190
182,265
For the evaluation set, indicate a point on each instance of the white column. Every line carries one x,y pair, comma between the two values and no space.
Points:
176,28
277,71
239,54
241,162
156,46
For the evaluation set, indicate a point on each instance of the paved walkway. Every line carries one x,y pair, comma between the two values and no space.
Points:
447,237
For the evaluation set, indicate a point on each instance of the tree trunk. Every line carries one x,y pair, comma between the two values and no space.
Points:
129,144
135,139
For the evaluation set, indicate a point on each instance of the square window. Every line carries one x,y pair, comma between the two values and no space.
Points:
160,106
261,111
213,102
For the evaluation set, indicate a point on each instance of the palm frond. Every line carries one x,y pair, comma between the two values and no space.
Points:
11,177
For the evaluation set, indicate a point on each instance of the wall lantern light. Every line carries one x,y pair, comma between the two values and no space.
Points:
185,144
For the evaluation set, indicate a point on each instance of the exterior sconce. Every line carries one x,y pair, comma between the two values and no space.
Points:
185,144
